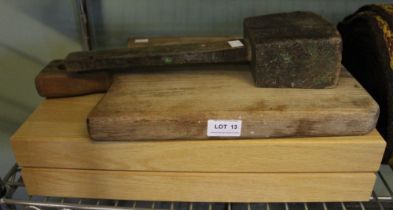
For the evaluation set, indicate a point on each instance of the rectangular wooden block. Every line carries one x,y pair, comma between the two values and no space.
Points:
294,50
55,136
178,103
205,187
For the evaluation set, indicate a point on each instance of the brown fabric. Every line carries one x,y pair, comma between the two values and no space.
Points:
367,54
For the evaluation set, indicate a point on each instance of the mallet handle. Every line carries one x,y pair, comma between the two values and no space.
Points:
120,59
53,81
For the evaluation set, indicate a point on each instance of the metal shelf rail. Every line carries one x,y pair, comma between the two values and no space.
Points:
15,197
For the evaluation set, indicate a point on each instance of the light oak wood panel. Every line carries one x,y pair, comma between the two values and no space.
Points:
206,187
55,136
297,155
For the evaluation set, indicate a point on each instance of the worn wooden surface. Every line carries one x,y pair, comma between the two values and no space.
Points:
134,42
55,136
293,50
167,55
176,104
54,81
202,187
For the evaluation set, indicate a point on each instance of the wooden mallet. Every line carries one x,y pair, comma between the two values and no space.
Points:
286,50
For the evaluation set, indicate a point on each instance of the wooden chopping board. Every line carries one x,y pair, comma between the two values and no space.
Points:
177,103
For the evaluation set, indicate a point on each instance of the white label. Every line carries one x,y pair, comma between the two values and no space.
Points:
235,43
224,127
141,41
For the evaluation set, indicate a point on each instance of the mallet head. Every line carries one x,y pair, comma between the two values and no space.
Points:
294,50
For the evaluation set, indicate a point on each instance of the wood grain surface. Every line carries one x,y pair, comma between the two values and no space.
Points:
177,103
113,60
205,187
136,42
53,81
55,136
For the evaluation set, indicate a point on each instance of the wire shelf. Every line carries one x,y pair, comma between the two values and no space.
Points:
16,197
